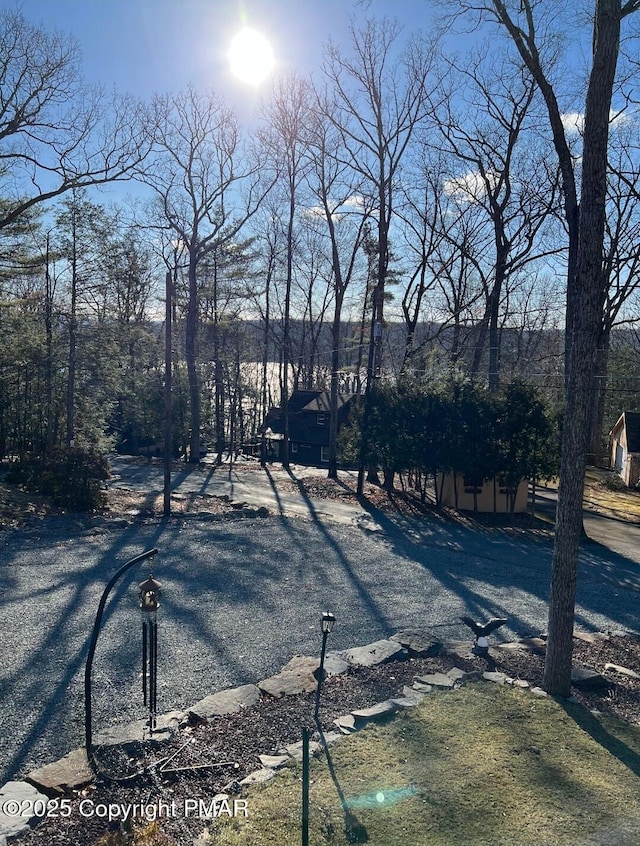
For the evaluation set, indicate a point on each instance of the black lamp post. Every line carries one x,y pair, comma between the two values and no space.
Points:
328,622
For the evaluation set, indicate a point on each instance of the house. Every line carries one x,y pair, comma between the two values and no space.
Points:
309,417
624,440
456,491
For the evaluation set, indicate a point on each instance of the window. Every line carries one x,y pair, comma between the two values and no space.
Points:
322,419
324,454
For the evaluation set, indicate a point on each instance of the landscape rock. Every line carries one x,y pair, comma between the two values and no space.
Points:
435,680
273,762
297,676
623,671
294,750
538,691
375,712
587,677
330,737
25,795
167,725
458,648
258,776
346,723
374,654
496,677
334,664
419,644
63,776
227,701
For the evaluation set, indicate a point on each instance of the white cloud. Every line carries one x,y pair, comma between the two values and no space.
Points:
573,122
470,187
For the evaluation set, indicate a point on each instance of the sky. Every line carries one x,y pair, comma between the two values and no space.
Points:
147,46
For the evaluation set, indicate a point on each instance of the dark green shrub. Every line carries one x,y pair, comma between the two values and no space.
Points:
72,477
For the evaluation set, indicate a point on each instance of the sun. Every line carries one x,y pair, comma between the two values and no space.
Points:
250,57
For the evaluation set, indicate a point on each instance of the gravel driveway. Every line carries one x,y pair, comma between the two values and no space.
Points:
241,596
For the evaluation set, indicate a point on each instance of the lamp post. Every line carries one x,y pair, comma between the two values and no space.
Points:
328,622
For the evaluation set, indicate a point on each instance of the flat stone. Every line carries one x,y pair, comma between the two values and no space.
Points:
227,701
586,637
130,734
496,677
412,693
297,676
334,664
25,795
401,702
538,691
458,648
419,644
330,737
523,683
346,723
167,725
375,712
374,654
294,750
274,762
435,680
586,677
623,671
258,776
63,776
421,688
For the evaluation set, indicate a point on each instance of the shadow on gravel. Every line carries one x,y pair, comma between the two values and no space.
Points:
86,587
493,556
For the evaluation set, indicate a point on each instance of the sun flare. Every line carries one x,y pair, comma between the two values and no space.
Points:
250,57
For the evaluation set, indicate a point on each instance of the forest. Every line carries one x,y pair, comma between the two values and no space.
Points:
399,218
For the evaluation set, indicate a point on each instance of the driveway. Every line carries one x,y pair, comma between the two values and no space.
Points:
241,596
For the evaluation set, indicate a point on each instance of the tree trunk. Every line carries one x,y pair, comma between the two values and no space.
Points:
335,366
585,304
598,406
73,333
191,355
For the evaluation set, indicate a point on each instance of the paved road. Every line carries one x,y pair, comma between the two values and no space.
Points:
241,596
615,535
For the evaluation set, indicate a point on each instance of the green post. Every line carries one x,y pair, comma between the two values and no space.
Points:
305,787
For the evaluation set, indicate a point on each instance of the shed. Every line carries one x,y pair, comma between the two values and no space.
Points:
624,441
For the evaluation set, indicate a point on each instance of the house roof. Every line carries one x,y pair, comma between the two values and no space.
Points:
303,404
630,420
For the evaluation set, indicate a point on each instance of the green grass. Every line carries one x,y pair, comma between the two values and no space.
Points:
479,766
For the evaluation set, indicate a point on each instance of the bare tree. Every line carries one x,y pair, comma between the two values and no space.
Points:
205,194
287,116
379,98
342,210
505,175
56,133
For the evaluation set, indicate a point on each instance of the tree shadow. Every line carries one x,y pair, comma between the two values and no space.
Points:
589,723
354,830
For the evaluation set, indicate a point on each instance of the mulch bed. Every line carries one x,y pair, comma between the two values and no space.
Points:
230,745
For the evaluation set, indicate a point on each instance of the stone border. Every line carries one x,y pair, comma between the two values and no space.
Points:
299,675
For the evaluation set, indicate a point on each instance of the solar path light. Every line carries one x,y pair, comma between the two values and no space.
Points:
328,622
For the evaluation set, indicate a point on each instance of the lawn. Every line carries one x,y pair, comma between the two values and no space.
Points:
479,766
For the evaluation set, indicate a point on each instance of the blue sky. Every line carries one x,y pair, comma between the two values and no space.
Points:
143,46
